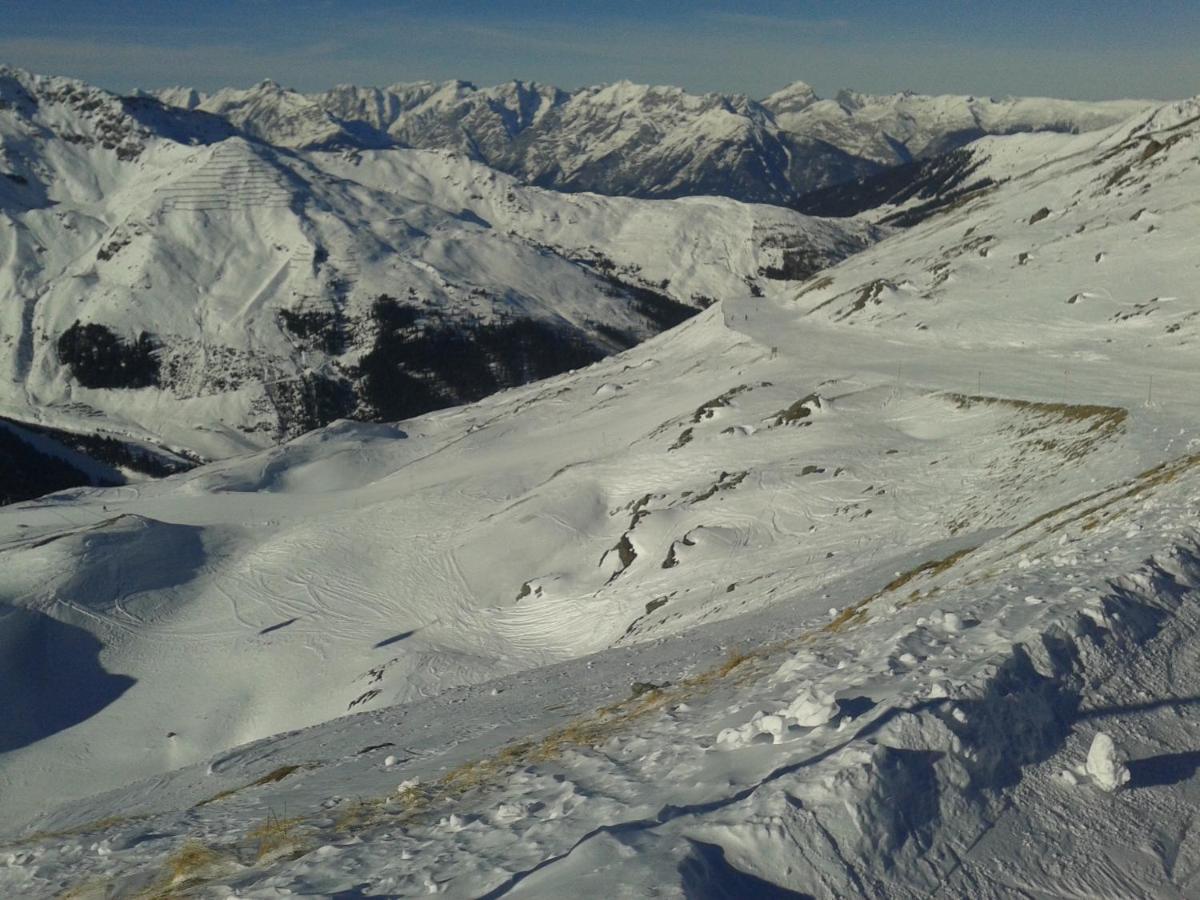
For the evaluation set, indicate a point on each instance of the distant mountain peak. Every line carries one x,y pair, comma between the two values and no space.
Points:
794,97
635,139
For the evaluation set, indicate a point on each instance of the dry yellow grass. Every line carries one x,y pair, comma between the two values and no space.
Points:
1141,484
587,731
276,775
92,889
1103,422
220,795
856,614
275,834
931,567
1044,436
271,777
188,865
189,861
356,814
735,658
185,869
86,828
1070,411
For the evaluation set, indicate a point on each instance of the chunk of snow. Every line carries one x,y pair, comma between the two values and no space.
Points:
730,736
774,726
811,708
1106,764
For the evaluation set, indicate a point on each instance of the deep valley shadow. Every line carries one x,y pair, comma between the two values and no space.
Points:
51,677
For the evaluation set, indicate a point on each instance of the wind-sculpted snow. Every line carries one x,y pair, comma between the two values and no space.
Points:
827,591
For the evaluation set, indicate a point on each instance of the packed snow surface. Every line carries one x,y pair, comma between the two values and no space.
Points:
882,586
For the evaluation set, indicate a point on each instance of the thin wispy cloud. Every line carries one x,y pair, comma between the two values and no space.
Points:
774,23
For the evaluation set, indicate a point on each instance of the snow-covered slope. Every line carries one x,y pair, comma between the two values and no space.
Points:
878,556
648,141
898,128
168,282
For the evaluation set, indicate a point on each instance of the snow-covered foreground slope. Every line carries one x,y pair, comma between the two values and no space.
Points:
882,556
940,745
168,283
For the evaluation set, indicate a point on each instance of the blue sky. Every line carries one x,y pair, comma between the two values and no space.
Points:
1085,48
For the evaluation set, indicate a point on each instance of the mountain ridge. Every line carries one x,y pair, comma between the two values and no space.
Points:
792,142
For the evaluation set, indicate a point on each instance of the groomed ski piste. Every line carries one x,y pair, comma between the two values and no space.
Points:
883,588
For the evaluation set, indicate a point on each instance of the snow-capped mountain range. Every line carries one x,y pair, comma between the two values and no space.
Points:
634,140
882,582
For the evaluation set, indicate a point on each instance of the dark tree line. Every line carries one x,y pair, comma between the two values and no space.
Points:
26,472
98,358
420,363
